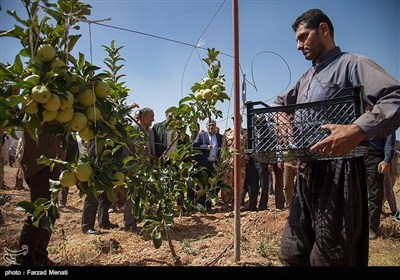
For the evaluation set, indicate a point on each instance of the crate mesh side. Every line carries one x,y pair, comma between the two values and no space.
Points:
287,135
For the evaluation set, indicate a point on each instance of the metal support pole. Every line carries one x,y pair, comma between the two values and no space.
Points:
236,128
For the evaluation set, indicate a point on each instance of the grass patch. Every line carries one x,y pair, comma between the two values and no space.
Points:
269,247
187,248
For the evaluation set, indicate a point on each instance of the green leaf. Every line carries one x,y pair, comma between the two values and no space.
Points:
213,197
73,39
89,71
157,240
36,223
196,86
26,206
16,32
16,17
110,194
40,202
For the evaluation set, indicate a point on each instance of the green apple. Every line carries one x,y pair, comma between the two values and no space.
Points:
33,79
67,178
92,114
66,102
57,63
36,60
40,94
46,52
86,134
78,121
101,89
53,104
64,116
86,98
31,106
76,83
216,89
83,172
48,116
207,81
199,95
207,94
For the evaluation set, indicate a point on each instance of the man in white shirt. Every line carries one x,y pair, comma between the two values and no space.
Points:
209,142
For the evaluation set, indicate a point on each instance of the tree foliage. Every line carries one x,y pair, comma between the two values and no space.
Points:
96,96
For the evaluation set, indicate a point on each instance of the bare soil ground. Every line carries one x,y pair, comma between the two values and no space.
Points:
199,239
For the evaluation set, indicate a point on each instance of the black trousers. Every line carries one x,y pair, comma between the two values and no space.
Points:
278,188
328,220
251,185
375,187
37,239
64,196
263,174
93,205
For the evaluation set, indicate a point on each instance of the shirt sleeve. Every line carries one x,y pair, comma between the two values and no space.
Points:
382,90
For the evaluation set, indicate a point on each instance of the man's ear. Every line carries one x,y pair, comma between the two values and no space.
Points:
323,29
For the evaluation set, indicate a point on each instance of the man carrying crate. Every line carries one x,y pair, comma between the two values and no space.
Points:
328,221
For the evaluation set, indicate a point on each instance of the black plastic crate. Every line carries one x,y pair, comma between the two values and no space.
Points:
286,133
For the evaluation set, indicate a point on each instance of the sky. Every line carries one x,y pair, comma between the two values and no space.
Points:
161,67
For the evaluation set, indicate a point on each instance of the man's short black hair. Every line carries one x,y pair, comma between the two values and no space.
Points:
312,19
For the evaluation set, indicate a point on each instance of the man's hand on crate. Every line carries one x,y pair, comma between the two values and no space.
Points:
342,139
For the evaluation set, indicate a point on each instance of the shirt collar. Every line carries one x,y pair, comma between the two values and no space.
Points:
328,58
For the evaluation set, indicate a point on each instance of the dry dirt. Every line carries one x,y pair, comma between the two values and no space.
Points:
199,239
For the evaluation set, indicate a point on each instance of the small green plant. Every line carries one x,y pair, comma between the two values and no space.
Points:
187,248
269,247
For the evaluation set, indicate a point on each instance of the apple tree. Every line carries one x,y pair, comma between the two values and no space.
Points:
158,187
48,88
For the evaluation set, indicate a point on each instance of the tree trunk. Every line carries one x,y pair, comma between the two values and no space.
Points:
176,258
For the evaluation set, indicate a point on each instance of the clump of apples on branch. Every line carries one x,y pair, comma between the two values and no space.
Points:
47,88
211,89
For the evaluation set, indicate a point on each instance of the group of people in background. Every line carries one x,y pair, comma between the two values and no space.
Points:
257,179
381,165
255,176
